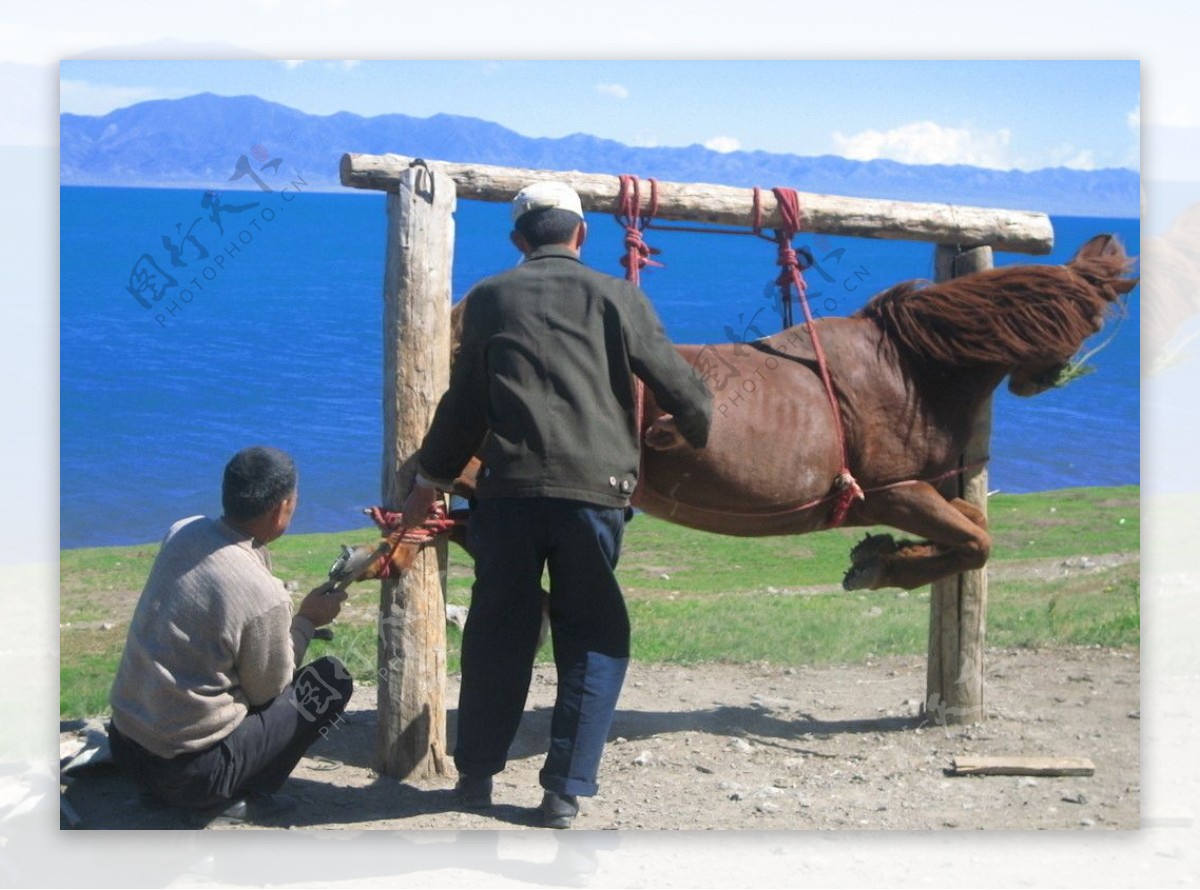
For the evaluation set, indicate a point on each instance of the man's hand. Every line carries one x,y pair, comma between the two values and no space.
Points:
664,435
321,607
417,504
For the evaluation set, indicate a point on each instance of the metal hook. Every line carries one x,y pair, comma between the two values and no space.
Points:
427,194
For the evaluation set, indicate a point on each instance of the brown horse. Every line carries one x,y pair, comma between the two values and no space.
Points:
910,371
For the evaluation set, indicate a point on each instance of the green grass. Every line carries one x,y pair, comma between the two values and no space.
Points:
696,597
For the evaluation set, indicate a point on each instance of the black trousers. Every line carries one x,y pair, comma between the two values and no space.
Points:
257,757
513,540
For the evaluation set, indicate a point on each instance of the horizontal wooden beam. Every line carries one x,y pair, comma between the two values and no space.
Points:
1017,231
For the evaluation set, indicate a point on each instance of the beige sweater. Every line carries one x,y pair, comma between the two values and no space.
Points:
212,636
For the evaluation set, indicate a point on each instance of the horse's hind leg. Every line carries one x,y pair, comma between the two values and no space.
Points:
954,539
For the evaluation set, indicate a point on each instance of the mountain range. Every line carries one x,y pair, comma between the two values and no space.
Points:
195,142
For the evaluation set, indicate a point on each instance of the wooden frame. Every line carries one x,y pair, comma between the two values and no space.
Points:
420,241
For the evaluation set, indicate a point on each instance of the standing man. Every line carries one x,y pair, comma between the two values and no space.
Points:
545,371
208,707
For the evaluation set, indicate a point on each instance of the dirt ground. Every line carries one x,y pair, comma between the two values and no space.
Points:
753,747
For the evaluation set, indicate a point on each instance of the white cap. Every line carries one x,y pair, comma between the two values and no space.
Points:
546,196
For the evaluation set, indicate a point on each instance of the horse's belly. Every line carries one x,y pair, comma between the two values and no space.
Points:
771,449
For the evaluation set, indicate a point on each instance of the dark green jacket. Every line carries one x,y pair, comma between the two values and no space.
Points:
547,357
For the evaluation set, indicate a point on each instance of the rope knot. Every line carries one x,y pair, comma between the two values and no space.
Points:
637,252
848,491
845,482
390,523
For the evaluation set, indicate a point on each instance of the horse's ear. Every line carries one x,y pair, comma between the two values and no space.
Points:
1103,261
1100,246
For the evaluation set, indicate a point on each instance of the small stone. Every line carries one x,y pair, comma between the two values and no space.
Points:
1027,782
741,746
1088,823
1074,798
642,759
107,625
664,576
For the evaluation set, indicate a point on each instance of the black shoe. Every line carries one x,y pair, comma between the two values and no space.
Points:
474,792
558,810
255,807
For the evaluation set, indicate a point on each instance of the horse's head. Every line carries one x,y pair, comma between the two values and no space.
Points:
1025,322
1096,278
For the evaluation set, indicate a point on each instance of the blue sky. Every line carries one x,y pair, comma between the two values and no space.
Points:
1005,115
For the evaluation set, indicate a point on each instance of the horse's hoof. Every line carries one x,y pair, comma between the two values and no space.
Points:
872,547
862,576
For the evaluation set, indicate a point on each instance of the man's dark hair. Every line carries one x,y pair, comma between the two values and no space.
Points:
257,479
550,226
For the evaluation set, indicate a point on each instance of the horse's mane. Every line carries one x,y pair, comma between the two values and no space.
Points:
1002,316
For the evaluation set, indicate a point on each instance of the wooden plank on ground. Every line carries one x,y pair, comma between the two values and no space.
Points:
1012,765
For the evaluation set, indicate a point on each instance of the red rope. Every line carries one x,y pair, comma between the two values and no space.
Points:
390,523
629,214
637,256
846,487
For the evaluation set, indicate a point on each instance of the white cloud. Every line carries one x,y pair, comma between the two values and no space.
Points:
85,97
1134,119
291,64
1081,160
613,90
925,142
644,140
723,144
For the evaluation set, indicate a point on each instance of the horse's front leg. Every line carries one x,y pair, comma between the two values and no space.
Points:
954,539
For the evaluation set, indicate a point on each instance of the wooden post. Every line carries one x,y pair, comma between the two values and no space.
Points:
416,329
958,605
